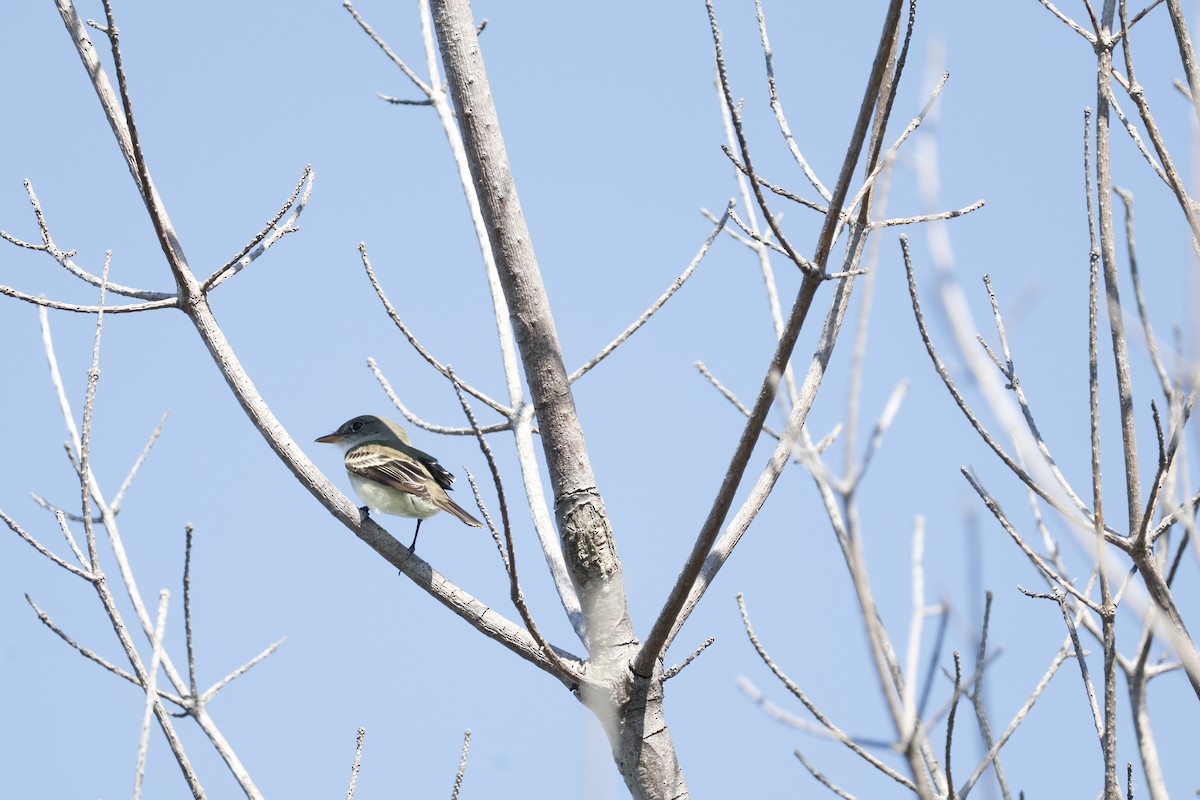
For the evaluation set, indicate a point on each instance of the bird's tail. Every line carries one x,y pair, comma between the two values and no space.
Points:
446,504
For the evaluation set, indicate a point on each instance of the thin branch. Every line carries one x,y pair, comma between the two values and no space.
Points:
754,238
399,101
61,519
777,106
354,767
367,29
675,286
1135,277
171,302
418,421
900,140
566,672
462,764
1080,656
137,464
271,233
824,781
425,354
678,668
1132,130
1059,658
151,692
36,545
83,651
1187,56
730,396
64,258
673,613
988,439
1008,370
916,622
744,146
950,723
237,673
1138,95
1072,24
922,218
773,187
1037,560
187,607
803,698
977,697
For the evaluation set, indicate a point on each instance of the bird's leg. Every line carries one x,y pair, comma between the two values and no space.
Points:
365,511
417,533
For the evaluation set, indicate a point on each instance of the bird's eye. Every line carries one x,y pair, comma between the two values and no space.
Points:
356,425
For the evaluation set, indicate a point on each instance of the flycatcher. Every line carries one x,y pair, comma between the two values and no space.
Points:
390,475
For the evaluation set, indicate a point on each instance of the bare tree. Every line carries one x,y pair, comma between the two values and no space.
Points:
620,673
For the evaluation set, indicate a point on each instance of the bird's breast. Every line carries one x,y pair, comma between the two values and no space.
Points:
389,500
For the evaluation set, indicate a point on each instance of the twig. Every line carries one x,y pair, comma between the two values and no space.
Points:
399,101
916,622
137,464
744,147
83,651
1138,95
950,723
1058,597
756,243
908,130
418,421
237,673
170,302
977,698
803,698
730,396
1018,718
462,764
151,688
36,545
890,409
64,259
753,237
1132,130
777,106
988,439
271,233
358,748
412,76
922,218
1037,560
425,354
935,654
1072,24
566,672
773,187
822,779
675,670
687,589
675,286
1008,370
187,607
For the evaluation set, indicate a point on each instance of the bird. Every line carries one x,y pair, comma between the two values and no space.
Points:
392,476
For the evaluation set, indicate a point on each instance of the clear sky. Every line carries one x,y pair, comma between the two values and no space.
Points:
614,131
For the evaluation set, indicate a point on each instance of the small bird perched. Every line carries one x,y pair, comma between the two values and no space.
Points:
390,475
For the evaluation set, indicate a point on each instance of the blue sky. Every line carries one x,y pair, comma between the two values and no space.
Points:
612,124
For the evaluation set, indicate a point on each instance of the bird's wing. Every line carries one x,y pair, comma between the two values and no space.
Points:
389,466
444,477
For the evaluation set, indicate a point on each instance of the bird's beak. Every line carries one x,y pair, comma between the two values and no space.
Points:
330,438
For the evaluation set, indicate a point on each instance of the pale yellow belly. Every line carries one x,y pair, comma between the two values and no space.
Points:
391,501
